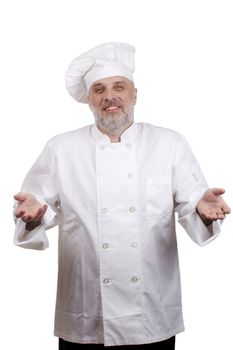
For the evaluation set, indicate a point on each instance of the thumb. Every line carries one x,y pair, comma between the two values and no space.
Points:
20,197
218,191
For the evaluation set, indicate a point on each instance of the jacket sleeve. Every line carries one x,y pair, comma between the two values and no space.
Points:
41,182
189,185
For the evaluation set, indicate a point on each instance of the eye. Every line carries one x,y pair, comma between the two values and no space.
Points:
119,87
98,89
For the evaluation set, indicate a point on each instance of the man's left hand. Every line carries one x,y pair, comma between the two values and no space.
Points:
212,207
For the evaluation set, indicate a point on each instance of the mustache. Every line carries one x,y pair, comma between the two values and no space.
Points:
114,102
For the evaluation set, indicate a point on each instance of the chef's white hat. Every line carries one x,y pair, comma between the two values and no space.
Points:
103,61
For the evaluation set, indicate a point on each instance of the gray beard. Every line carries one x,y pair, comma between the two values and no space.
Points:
114,124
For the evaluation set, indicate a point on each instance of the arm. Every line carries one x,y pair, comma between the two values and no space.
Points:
35,209
192,197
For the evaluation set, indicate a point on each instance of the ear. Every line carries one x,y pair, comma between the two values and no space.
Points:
135,96
88,101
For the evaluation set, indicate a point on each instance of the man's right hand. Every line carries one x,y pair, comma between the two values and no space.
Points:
29,209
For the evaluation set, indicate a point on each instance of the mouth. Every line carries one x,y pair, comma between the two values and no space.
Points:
111,109
112,106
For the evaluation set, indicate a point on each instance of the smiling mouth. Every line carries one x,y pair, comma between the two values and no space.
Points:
111,108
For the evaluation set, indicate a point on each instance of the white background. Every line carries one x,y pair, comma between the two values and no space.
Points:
184,77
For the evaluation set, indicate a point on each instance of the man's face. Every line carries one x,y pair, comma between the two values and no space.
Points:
112,102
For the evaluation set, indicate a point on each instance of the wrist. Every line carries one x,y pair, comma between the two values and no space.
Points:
205,221
32,225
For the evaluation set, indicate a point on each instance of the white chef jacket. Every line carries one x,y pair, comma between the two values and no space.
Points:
118,276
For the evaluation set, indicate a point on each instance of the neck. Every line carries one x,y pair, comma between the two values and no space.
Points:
116,137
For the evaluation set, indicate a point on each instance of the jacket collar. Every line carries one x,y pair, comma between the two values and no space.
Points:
128,135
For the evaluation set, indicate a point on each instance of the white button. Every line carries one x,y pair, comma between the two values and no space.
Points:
101,147
106,281
105,245
130,175
128,145
57,205
132,209
134,279
103,177
134,244
104,210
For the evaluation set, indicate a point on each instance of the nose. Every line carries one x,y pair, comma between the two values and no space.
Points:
108,95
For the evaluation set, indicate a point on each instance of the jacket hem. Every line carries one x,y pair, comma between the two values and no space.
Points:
121,341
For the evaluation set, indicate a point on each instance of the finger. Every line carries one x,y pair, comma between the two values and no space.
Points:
28,218
210,215
25,218
19,213
43,211
221,216
216,215
218,191
28,215
20,197
40,213
213,217
226,209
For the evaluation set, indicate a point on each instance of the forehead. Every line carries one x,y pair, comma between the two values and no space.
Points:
111,81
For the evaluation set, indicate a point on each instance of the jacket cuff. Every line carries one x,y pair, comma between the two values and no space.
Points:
36,238
197,230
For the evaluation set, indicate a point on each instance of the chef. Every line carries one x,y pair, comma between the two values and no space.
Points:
113,189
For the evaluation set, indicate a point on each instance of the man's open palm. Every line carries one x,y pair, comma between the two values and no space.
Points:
29,208
212,206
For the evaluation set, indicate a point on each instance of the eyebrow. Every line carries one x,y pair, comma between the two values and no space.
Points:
114,83
97,85
119,82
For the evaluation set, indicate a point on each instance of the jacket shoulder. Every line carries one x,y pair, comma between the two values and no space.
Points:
70,137
160,132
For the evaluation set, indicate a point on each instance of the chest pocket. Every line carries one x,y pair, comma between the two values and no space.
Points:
159,199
